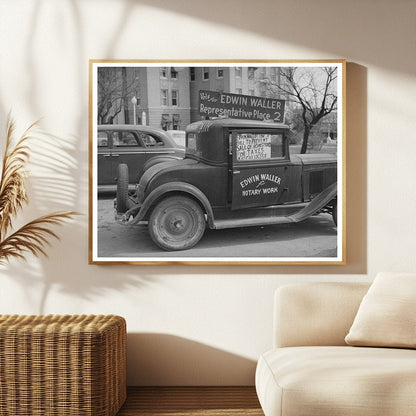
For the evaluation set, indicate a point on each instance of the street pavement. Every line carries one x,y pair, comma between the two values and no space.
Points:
314,237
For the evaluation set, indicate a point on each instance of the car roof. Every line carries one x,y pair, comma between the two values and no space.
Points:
139,127
235,123
213,143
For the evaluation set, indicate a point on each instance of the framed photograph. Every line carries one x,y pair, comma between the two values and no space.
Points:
207,162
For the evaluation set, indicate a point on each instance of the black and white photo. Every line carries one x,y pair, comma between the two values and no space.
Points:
217,162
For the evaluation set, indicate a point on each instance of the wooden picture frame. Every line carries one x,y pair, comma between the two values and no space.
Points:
247,155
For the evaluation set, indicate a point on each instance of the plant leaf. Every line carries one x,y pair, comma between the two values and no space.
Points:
12,183
33,237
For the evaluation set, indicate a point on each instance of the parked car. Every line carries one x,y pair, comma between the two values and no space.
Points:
134,146
236,173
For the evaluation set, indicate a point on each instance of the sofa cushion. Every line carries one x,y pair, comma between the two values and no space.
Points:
387,314
341,381
315,313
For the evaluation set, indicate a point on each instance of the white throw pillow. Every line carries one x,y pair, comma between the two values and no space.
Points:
387,314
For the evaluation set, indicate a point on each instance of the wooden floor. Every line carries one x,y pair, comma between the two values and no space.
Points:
191,401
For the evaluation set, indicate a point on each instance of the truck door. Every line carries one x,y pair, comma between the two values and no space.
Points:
260,162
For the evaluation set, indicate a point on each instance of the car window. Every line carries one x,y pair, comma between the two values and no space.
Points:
150,140
102,139
125,139
259,146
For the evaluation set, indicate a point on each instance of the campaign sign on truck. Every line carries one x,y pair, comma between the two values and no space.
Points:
223,104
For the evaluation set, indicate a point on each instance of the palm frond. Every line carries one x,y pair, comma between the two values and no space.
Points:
33,237
12,183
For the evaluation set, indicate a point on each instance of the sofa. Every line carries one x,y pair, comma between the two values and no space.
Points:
342,349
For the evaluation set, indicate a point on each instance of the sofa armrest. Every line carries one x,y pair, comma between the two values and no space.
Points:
315,313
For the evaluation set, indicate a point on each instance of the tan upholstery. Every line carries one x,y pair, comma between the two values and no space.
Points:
387,314
337,381
312,372
315,314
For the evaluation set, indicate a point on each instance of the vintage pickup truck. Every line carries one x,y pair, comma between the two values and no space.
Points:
236,173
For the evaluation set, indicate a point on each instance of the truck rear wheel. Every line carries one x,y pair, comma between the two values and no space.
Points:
122,187
176,223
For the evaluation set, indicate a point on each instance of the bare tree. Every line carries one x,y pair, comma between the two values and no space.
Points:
313,89
113,93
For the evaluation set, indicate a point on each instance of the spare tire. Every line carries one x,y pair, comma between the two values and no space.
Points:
335,212
122,188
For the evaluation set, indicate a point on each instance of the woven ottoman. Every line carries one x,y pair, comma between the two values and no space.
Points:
71,365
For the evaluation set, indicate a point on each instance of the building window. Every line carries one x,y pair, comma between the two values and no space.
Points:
174,73
251,92
165,122
164,97
163,72
175,97
238,71
192,73
205,73
238,91
176,122
250,72
273,74
220,73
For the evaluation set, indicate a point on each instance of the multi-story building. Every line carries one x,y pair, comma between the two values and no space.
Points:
246,80
157,96
168,97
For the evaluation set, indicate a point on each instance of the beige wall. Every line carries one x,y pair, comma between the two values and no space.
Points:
204,324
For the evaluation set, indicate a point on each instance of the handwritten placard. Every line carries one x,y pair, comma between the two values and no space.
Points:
253,146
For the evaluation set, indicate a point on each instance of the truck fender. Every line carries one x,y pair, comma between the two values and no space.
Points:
159,159
174,187
327,195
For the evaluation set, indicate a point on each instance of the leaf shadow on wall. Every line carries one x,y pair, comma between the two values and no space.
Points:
163,359
333,27
53,187
65,166
58,180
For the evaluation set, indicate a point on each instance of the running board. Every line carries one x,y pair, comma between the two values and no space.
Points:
221,224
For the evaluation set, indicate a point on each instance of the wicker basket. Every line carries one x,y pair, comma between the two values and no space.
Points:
71,365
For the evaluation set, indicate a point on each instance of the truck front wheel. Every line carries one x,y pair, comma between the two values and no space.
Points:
176,223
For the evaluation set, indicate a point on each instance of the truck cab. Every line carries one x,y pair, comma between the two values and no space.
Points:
235,173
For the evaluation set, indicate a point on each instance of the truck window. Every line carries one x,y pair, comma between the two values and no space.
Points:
192,142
